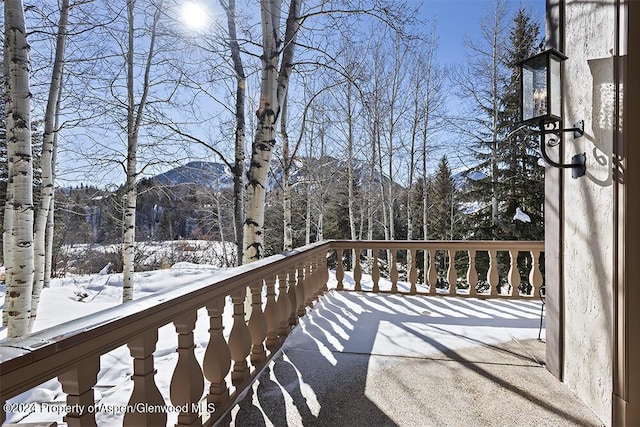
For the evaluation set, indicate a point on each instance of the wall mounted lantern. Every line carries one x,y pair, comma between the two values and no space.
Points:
541,105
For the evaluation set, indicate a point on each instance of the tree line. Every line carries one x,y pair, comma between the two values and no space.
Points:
351,92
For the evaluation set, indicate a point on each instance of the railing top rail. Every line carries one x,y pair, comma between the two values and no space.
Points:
440,244
67,344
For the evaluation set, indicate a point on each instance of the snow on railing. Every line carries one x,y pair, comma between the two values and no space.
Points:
281,288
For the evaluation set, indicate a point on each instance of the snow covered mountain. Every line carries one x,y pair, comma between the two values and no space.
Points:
218,176
209,174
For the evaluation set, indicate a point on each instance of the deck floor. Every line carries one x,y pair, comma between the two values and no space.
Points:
362,359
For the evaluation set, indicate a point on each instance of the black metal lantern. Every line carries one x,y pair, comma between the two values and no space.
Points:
541,104
541,88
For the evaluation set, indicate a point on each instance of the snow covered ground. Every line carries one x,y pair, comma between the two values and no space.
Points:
74,297
78,296
89,258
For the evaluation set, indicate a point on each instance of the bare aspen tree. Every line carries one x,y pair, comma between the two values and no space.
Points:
7,241
396,101
416,82
320,171
49,232
277,63
432,103
20,282
287,244
289,160
389,80
350,160
241,87
135,113
308,184
47,164
374,107
346,104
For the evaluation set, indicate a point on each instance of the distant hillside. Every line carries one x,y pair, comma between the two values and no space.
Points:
219,177
208,174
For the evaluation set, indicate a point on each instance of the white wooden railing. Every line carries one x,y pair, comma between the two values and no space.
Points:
291,282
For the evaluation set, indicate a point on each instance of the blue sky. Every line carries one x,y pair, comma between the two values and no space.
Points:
457,18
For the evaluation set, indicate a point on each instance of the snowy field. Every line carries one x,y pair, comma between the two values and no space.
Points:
74,297
78,296
90,258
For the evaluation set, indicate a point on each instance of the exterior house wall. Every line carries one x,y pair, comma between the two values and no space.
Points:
588,203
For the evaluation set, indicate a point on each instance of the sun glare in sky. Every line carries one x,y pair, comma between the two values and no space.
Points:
194,15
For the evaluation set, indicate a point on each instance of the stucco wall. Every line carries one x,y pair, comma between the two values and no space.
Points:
588,203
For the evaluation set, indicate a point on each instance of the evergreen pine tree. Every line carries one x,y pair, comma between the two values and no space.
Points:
521,179
445,214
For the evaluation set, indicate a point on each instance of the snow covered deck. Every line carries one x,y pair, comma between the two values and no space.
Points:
362,359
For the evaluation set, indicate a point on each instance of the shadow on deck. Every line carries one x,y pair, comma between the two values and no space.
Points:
371,359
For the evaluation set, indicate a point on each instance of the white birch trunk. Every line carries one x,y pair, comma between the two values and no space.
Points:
134,119
319,193
352,222
48,267
273,88
20,284
320,225
238,167
370,189
309,186
222,238
425,194
7,242
287,244
48,260
412,155
383,192
307,224
46,162
129,206
265,137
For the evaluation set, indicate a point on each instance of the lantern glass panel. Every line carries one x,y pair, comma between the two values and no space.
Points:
534,89
555,95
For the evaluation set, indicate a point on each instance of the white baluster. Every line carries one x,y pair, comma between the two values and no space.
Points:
217,357
452,275
78,383
145,389
187,383
375,274
393,271
339,270
413,272
239,339
472,273
284,305
357,270
433,272
257,325
492,276
271,314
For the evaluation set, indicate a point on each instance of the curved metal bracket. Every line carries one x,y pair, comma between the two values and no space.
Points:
578,162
